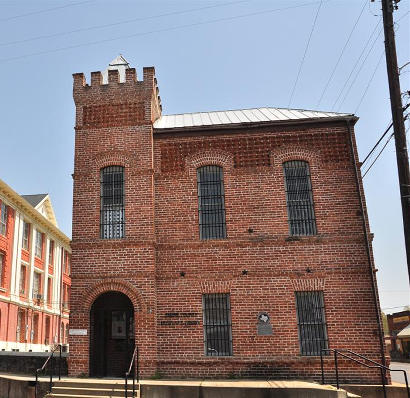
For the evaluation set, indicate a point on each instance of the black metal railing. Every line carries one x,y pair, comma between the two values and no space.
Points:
43,368
134,365
375,365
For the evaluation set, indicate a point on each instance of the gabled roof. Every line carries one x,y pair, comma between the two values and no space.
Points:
404,333
119,63
242,117
22,204
35,200
42,203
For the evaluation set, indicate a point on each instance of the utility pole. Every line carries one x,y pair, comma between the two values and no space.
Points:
402,156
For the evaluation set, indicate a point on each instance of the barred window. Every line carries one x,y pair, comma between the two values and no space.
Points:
211,202
3,219
217,324
299,198
38,250
311,322
112,220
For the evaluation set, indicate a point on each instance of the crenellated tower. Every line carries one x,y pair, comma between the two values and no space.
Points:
113,264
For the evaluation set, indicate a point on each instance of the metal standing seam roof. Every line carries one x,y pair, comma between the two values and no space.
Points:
240,116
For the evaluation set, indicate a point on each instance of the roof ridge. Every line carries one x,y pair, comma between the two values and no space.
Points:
260,107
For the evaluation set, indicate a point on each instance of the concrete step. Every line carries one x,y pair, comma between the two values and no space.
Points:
82,396
91,389
80,391
120,384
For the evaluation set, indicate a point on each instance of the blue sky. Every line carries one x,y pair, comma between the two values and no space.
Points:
208,55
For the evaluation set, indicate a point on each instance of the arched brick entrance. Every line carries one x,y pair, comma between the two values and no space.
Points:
112,336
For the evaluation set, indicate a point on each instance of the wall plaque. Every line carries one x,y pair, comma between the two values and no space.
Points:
77,332
264,325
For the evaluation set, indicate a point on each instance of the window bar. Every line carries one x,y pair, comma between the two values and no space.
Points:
299,198
211,203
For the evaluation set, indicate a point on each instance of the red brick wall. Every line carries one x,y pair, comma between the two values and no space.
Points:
162,239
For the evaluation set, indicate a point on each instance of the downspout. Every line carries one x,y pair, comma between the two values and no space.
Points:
372,270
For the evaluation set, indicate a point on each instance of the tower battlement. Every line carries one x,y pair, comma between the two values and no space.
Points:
114,94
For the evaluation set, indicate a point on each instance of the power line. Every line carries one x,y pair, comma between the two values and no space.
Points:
357,62
43,11
341,54
304,54
377,157
377,143
369,82
359,70
383,135
118,23
178,27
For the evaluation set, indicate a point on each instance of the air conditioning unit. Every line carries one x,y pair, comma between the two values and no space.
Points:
64,347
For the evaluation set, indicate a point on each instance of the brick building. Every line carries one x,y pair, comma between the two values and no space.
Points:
34,274
398,348
230,243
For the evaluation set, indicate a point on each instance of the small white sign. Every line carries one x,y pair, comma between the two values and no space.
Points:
77,332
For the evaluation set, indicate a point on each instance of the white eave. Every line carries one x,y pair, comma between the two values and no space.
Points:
242,117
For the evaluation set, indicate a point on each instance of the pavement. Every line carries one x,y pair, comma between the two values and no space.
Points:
398,377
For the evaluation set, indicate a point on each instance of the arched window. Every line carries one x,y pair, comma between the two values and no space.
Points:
112,220
211,202
299,198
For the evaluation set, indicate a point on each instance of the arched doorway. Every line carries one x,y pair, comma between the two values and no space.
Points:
112,335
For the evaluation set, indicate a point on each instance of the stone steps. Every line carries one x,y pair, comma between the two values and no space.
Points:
86,389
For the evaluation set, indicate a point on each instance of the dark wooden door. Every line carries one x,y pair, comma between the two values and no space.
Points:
112,335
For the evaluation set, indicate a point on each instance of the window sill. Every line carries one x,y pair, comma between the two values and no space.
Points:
2,289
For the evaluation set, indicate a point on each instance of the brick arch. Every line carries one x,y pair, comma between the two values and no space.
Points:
111,158
282,155
308,284
204,158
116,285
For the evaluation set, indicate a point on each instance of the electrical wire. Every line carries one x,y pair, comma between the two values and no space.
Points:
359,70
43,11
357,62
377,157
173,28
341,54
370,81
128,21
377,143
304,54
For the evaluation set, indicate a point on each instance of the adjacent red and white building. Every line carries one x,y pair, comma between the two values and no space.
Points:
34,273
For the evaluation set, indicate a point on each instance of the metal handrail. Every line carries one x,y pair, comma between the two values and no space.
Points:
375,366
51,368
135,360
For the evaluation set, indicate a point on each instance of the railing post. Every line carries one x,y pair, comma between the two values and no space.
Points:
383,382
126,385
321,366
59,363
407,383
336,370
138,365
51,373
35,387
